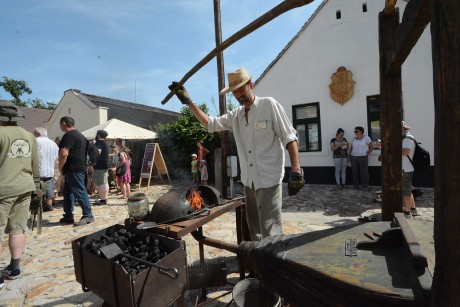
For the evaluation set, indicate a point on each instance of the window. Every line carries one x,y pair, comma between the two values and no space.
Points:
307,123
373,119
338,14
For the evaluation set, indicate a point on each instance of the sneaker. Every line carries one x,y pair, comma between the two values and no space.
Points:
100,202
66,221
2,282
83,221
407,215
414,212
11,274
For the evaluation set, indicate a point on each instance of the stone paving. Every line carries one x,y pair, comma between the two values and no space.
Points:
48,269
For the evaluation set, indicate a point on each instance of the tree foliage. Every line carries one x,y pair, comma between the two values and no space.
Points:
40,104
18,88
178,141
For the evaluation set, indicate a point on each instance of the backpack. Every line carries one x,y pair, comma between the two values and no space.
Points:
421,159
92,153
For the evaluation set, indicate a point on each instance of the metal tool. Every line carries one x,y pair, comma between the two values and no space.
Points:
200,213
113,250
351,247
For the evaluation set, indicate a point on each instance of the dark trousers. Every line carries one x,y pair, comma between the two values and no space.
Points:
359,169
75,189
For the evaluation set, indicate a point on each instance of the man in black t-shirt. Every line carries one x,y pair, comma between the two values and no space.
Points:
72,165
100,174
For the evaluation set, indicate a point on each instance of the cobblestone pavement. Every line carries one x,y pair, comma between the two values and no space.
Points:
48,269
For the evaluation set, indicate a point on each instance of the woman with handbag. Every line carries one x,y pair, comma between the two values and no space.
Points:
123,172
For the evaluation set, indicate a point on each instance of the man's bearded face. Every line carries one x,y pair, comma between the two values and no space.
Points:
243,94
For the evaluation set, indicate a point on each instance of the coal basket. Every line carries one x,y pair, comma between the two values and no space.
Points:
118,287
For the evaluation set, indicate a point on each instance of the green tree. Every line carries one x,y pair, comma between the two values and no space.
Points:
40,104
16,89
230,105
178,141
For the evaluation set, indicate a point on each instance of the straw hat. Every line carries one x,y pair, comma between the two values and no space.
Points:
236,79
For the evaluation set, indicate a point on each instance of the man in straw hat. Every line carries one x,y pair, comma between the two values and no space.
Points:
262,131
19,157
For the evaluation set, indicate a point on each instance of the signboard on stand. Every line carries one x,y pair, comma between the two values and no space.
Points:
153,164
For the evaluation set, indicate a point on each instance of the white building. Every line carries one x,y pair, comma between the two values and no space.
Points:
345,33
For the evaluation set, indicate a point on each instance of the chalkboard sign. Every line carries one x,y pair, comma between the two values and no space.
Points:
146,170
153,162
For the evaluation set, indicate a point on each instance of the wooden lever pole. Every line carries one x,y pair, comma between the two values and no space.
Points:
265,18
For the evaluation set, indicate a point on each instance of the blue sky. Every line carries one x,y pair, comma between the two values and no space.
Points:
132,50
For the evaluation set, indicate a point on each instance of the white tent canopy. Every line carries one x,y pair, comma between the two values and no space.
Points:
118,129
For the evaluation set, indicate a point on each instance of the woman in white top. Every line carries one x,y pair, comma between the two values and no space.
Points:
360,149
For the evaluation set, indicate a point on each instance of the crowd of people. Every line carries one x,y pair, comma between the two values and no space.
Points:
356,153
199,165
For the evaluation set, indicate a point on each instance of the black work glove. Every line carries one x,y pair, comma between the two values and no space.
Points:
296,182
36,200
37,193
180,92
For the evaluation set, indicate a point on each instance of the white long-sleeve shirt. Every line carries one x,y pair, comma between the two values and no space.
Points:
49,152
260,142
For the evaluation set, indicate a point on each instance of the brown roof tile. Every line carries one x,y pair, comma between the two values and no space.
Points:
34,118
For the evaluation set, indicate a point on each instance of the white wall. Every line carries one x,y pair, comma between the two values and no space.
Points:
303,74
84,116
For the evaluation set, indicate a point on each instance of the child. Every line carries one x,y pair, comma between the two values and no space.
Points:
204,172
195,172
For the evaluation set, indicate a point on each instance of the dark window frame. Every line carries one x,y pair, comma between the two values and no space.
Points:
373,114
305,122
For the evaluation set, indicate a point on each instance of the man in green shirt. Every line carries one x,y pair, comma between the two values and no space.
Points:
20,176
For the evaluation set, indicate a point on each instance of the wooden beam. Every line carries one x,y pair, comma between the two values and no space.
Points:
224,135
445,41
415,19
281,8
390,121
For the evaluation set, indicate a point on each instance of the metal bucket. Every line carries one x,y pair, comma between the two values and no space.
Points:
248,293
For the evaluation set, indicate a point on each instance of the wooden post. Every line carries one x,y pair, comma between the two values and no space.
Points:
445,40
390,123
224,143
